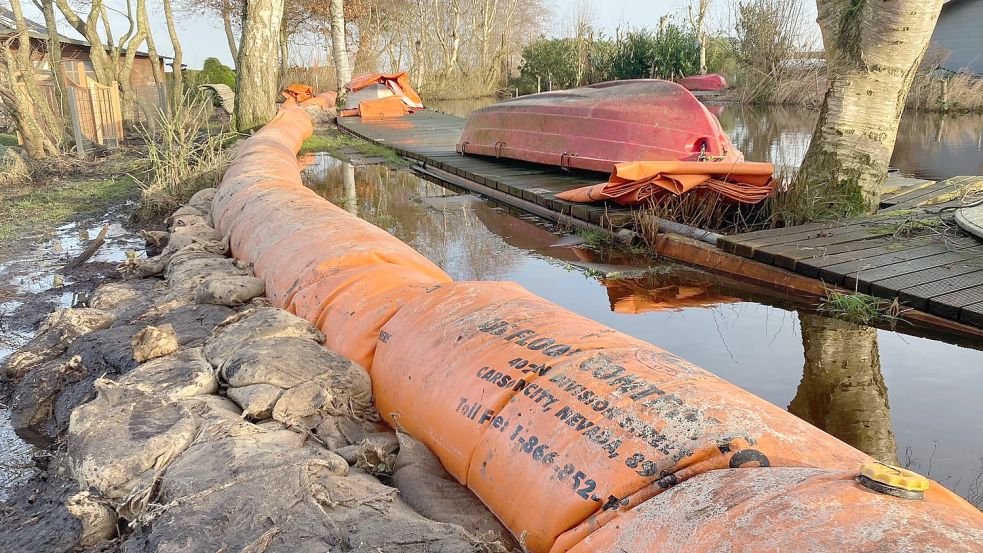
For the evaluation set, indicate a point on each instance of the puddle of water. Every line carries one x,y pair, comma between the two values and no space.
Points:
898,397
24,274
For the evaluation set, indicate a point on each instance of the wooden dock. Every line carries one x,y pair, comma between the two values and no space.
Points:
431,138
911,251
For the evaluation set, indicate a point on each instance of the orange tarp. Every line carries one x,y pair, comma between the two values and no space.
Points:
399,83
638,182
383,108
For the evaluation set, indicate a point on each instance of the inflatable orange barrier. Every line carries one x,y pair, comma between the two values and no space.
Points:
578,437
788,509
521,397
639,182
350,305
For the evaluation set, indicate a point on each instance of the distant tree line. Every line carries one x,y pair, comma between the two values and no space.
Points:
557,63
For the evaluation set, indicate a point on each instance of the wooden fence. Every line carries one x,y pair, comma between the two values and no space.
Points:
97,116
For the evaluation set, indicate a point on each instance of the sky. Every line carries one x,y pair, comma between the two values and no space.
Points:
203,37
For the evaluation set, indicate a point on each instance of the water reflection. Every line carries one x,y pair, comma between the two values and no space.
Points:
750,336
842,389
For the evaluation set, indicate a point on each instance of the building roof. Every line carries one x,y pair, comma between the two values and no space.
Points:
38,31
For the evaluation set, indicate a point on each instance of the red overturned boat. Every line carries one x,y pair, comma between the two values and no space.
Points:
623,128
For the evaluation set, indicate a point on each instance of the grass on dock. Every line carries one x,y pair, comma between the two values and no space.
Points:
859,308
342,146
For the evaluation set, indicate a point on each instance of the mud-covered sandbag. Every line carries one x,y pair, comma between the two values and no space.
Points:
375,454
119,443
424,485
231,290
39,405
151,342
190,267
183,374
252,326
202,199
126,299
197,233
351,304
257,400
57,331
526,397
339,433
290,362
99,519
787,509
274,497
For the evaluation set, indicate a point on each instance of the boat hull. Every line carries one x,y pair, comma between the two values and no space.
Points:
598,126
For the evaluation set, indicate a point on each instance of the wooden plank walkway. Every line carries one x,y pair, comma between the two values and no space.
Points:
911,251
431,137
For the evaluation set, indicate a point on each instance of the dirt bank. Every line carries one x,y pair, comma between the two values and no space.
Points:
174,410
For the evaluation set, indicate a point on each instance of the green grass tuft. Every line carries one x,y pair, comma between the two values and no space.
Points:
595,238
7,139
858,308
341,146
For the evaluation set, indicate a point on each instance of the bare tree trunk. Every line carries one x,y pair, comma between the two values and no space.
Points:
339,45
873,51
256,85
698,22
229,33
177,82
41,128
54,56
842,389
284,49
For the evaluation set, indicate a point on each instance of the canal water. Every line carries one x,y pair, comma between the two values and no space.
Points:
930,145
901,398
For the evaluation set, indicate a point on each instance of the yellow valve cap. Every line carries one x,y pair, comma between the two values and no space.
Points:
895,477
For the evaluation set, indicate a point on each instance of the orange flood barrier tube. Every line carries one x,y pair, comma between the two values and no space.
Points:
578,437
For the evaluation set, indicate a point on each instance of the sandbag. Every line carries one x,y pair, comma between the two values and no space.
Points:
350,305
257,400
339,385
180,375
120,442
517,395
57,331
425,485
311,502
254,325
231,290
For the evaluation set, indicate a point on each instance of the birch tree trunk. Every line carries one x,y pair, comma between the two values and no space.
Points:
257,66
229,33
339,45
54,55
873,52
177,81
842,389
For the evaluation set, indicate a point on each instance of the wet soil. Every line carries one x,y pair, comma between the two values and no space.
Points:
33,284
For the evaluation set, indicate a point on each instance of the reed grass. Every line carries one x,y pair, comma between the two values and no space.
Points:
187,152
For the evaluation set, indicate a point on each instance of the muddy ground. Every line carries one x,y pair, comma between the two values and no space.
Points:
170,408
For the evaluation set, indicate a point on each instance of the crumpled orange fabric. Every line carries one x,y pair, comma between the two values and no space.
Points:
398,83
638,182
298,92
